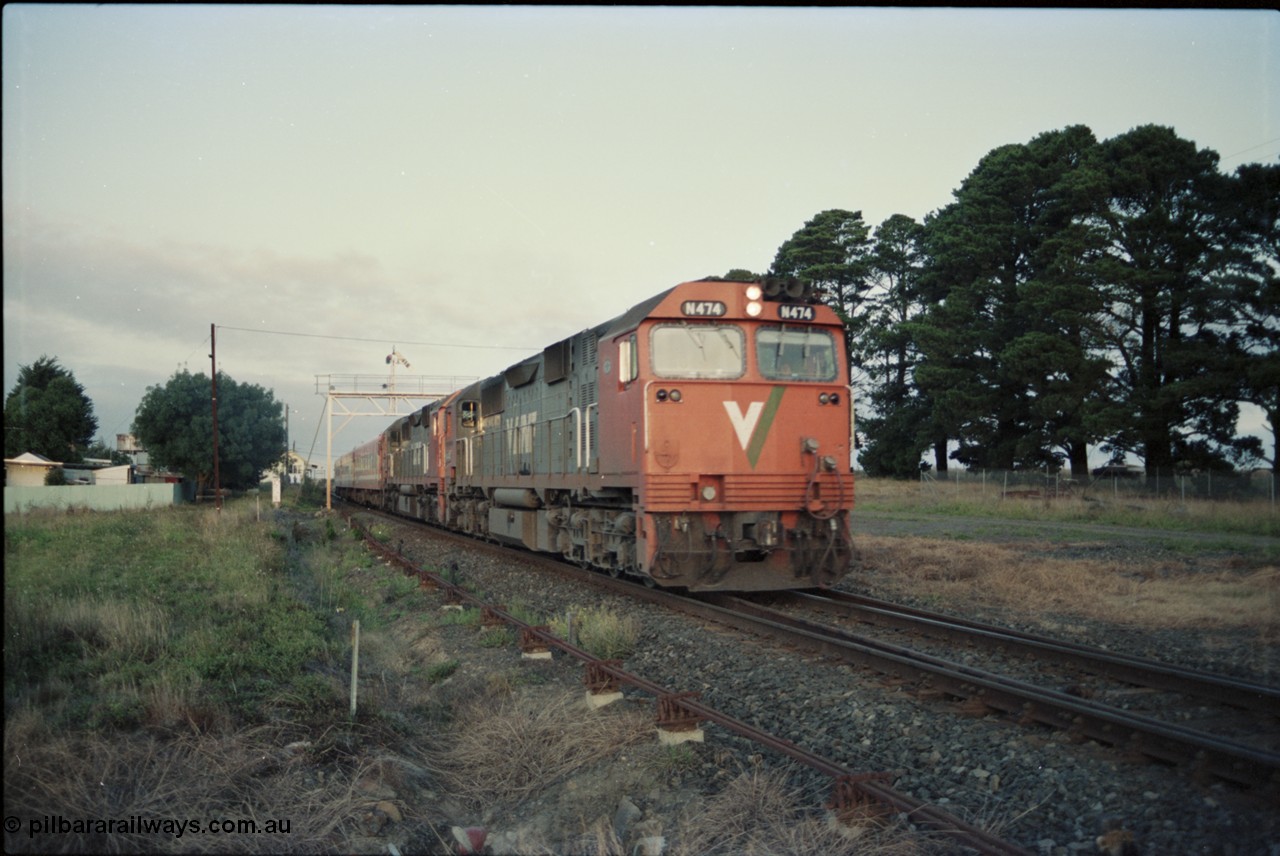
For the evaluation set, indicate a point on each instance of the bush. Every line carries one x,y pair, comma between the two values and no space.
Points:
601,632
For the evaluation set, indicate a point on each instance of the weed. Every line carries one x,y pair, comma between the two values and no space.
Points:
439,671
497,637
523,612
467,616
602,632
669,760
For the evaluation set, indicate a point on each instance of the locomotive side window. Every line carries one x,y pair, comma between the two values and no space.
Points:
470,413
796,354
628,361
711,351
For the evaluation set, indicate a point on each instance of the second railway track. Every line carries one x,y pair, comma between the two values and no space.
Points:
1201,752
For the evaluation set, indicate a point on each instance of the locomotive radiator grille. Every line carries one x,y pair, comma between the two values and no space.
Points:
742,492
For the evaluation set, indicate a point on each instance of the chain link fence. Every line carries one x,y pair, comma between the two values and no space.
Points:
1257,486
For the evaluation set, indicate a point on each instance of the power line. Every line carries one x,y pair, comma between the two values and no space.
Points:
1225,159
1251,148
379,341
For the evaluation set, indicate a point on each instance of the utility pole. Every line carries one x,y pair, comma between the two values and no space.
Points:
213,351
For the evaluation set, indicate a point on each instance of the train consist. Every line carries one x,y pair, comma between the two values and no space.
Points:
699,440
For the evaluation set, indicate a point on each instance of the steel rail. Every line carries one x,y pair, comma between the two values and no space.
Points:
1123,667
845,782
1225,759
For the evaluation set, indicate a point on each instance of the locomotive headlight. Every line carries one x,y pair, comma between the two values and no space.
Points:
753,293
824,398
661,395
675,395
754,309
709,493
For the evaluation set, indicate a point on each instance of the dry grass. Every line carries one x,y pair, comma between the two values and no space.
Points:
503,749
1161,594
757,815
245,778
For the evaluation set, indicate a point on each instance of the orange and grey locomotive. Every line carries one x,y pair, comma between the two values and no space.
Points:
701,439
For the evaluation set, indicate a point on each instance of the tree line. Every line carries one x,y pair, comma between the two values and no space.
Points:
48,413
1120,294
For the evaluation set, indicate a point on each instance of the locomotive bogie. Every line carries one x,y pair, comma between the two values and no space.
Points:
700,440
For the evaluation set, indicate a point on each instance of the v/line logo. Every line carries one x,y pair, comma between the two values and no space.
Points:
752,427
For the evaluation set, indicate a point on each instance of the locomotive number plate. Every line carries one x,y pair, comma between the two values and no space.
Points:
795,312
703,308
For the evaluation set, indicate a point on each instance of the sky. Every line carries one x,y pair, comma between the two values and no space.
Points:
465,185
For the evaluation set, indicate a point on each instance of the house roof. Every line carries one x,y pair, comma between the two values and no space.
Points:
32,459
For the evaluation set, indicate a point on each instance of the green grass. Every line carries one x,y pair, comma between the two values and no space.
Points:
1097,505
165,617
601,632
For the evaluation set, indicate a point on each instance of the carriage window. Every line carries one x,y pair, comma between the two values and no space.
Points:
796,354
698,351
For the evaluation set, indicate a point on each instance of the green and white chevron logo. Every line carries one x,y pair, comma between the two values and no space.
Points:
753,426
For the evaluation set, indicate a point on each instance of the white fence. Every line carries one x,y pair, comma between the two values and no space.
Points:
91,497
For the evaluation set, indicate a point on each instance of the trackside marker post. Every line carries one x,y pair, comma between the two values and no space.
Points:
355,662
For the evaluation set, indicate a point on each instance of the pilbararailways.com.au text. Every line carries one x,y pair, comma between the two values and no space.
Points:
56,824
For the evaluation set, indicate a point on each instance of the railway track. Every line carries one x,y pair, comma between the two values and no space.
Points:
1254,770
1202,753
849,787
1132,671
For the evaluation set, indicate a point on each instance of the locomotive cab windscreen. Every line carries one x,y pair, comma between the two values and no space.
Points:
801,353
698,351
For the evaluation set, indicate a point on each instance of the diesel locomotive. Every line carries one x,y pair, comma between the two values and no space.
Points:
699,440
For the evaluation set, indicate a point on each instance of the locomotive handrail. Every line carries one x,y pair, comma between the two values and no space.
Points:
853,422
576,412
646,414
587,427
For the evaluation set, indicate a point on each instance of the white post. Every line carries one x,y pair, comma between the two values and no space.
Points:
355,662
